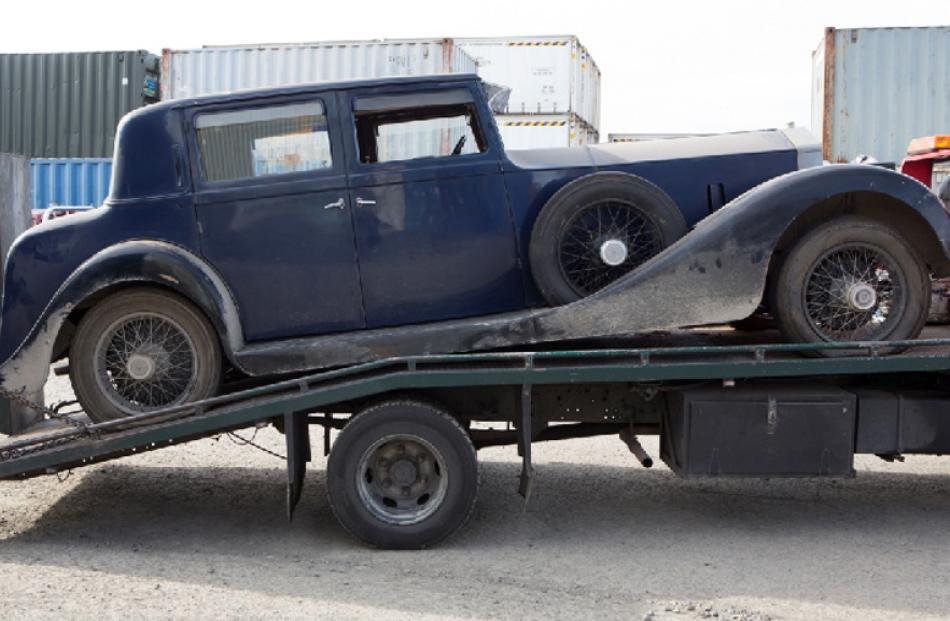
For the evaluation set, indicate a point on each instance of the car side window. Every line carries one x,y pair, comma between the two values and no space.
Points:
397,128
259,142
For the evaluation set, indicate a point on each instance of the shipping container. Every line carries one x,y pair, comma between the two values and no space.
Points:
874,89
547,75
68,105
536,131
189,73
74,182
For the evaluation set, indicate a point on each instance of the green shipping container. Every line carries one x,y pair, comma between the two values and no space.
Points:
69,104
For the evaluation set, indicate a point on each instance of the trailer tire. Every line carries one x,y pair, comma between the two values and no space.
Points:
402,474
851,279
185,342
596,229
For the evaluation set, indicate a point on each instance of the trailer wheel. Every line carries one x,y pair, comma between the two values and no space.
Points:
596,229
402,475
852,279
142,350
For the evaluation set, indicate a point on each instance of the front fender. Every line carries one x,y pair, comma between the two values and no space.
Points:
717,272
138,261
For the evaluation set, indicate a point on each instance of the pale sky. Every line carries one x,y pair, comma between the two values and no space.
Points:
668,65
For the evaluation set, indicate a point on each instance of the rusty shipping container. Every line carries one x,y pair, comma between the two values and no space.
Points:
874,89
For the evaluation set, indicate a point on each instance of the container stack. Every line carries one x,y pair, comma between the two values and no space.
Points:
555,88
554,98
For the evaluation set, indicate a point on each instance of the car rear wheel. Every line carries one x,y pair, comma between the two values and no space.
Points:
596,229
851,279
402,475
142,350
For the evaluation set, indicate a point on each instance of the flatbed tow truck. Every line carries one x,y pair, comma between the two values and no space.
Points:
724,403
211,261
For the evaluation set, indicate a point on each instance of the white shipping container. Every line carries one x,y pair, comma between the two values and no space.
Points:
875,89
547,75
204,71
534,131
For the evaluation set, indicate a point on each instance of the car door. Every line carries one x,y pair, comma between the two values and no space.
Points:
434,232
273,215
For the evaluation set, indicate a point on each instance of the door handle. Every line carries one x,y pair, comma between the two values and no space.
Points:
337,204
365,202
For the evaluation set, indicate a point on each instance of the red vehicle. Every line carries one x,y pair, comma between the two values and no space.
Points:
928,161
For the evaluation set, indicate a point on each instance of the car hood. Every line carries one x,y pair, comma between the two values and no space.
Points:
608,154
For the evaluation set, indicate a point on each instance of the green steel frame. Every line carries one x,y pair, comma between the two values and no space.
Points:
39,453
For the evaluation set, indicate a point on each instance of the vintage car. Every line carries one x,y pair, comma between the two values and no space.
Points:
277,231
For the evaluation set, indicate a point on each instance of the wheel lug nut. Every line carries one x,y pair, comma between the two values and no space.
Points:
405,491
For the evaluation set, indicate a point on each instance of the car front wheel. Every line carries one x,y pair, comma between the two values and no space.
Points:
851,279
142,350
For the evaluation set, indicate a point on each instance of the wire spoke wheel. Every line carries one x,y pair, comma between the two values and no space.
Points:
854,292
402,480
604,241
145,361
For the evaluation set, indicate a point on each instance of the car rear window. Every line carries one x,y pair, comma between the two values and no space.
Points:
258,142
424,125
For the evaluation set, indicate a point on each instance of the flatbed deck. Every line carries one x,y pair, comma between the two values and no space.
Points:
709,354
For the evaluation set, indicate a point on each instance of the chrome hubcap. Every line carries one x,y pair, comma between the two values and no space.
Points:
140,367
613,252
861,296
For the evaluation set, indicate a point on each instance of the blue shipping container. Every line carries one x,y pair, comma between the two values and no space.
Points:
70,182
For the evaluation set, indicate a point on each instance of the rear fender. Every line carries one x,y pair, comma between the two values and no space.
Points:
133,262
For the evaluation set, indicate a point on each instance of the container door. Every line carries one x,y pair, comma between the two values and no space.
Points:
433,228
275,221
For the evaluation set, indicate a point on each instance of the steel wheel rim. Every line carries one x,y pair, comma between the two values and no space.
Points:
597,228
835,293
151,344
402,479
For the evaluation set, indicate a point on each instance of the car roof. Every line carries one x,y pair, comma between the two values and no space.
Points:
316,87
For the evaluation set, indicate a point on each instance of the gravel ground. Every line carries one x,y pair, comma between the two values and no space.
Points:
199,530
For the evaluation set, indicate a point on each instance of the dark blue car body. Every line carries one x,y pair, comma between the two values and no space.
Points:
458,249
445,238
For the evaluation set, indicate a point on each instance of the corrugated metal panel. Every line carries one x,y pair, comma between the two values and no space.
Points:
538,131
547,75
69,182
188,73
68,105
874,89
